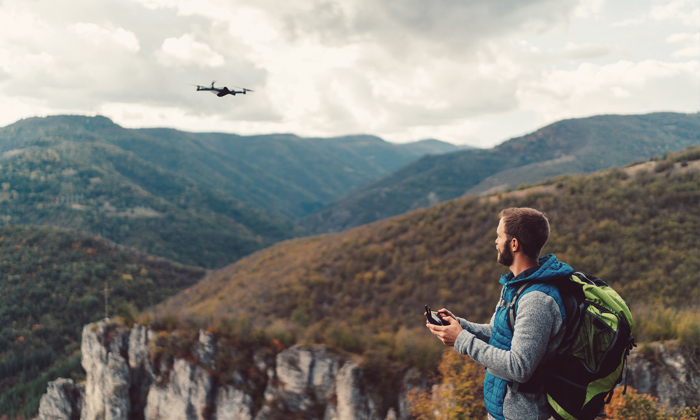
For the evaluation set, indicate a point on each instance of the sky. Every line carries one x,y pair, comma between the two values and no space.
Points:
474,72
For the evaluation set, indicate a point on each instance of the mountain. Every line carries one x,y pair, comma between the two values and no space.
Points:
94,186
566,147
365,289
433,147
280,173
53,282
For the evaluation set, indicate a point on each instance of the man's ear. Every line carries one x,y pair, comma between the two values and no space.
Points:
514,245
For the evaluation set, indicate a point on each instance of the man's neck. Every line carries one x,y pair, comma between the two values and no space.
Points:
522,264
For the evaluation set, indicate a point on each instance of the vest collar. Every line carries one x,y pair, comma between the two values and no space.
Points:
550,267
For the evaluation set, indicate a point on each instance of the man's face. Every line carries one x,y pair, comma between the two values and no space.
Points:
505,254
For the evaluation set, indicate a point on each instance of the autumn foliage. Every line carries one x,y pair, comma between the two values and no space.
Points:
635,406
457,395
636,228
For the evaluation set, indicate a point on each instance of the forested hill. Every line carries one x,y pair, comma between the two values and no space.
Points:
52,282
280,173
569,146
102,189
365,288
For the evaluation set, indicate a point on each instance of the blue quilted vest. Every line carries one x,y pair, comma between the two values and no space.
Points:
550,269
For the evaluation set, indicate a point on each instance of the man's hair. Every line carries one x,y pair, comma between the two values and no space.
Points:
528,226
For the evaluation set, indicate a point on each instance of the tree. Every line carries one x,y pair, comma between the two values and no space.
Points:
458,394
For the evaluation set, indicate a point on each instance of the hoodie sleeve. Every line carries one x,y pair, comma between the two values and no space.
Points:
538,320
481,331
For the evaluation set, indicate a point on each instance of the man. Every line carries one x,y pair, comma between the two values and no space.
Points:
510,390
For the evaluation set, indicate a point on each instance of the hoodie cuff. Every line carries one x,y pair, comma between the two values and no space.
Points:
464,341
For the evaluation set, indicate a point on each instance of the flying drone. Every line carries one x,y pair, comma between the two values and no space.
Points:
222,91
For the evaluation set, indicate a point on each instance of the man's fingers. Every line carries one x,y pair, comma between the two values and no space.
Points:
435,329
446,312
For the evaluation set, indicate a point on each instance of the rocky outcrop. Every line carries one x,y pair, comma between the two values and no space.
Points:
140,369
352,403
187,395
667,372
105,360
233,404
304,377
61,401
125,381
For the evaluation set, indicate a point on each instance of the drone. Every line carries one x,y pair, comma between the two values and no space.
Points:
220,92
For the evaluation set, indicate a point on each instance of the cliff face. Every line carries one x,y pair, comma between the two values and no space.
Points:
122,383
667,372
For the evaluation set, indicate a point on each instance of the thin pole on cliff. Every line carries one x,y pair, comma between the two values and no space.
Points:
106,293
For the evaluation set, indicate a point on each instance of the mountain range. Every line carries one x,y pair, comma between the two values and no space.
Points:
571,146
362,290
365,289
199,199
279,173
208,199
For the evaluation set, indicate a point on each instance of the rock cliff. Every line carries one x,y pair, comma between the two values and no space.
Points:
666,371
127,379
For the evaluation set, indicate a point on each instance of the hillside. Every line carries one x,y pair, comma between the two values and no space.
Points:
99,188
566,147
53,283
280,173
365,288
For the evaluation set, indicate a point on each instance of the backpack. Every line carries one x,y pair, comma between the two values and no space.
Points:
581,377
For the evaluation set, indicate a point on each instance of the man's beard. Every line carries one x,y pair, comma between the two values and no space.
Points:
505,257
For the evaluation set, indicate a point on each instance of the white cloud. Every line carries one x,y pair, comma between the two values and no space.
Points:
403,69
686,11
21,24
629,22
30,65
691,47
186,51
622,87
97,35
586,52
253,27
619,92
588,8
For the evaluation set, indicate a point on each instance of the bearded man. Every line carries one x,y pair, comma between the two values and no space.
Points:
512,386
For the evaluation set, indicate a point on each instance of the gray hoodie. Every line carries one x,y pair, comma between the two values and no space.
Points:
537,334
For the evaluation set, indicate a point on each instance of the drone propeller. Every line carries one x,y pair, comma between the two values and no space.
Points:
245,89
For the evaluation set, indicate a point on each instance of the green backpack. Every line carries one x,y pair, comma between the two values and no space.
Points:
580,379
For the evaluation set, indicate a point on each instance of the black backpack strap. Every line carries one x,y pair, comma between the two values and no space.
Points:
590,279
511,304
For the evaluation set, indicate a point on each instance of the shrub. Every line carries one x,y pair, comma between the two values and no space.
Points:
458,395
634,405
663,165
659,324
417,347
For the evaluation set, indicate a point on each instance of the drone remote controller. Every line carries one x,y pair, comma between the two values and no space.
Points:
434,319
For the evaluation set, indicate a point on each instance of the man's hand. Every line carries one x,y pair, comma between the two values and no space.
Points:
444,312
447,334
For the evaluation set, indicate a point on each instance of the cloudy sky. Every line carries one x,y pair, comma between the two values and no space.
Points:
466,71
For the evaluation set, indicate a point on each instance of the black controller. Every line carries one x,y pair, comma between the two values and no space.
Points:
434,319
